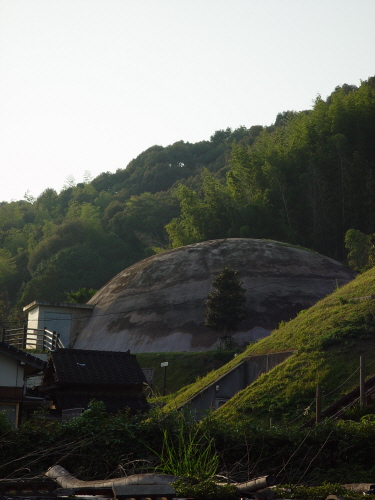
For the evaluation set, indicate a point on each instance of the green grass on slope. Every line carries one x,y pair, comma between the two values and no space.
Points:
287,393
329,337
187,392
183,367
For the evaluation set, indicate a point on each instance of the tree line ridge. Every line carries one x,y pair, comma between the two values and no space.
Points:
305,180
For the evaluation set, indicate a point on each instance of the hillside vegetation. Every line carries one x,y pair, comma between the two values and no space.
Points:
184,368
328,339
305,180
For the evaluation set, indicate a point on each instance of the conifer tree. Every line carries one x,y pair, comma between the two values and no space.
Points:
225,304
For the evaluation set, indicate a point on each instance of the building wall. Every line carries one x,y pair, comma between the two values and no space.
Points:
32,319
11,372
66,319
11,387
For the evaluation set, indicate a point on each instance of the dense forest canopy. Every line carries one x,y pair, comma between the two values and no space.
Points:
307,179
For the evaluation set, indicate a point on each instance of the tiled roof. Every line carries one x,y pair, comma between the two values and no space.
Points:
112,402
27,358
95,368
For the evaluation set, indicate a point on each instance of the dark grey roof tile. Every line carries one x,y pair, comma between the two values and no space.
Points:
98,368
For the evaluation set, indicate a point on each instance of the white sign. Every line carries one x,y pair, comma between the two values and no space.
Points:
164,364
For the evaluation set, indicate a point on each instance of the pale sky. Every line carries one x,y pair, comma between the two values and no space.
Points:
90,84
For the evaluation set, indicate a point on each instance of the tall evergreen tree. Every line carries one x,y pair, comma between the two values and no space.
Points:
225,304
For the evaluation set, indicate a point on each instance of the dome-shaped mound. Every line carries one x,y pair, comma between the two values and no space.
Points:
157,305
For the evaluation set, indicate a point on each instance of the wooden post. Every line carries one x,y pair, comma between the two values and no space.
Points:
24,337
44,338
318,407
362,382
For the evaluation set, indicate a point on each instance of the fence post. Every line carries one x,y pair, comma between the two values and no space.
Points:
24,337
44,338
318,409
362,381
54,341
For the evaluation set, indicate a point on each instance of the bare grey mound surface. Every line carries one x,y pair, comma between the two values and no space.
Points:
157,305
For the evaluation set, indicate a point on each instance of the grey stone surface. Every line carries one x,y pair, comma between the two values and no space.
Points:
157,305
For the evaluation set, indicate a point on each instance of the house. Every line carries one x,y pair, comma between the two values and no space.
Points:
15,368
73,377
64,318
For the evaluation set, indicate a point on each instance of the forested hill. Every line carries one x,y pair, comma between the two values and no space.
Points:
306,180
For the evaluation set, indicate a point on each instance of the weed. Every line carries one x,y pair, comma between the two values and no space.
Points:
4,423
189,454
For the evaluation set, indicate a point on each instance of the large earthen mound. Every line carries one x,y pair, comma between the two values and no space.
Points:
157,305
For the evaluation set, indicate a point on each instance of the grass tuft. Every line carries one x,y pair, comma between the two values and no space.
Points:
189,453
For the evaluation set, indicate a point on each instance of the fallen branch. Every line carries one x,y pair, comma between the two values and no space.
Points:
67,480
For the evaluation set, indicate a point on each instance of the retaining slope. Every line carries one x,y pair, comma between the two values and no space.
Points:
245,373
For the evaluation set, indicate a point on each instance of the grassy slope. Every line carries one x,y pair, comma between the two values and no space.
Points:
329,337
183,367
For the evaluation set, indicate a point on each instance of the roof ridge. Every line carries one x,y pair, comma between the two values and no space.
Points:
8,347
92,351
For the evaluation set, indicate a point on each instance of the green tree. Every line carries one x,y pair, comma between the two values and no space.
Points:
7,266
205,215
69,269
144,217
190,227
225,304
81,296
360,247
